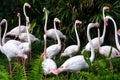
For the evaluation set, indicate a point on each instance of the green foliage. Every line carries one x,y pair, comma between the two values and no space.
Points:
67,11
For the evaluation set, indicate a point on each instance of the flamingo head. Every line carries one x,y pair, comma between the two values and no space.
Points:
106,22
18,14
118,32
96,24
44,9
106,8
57,20
3,21
78,22
27,4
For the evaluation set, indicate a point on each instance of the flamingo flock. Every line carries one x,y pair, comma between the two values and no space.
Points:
19,48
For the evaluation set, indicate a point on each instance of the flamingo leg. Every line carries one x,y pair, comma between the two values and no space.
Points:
67,75
10,69
64,45
60,58
30,53
111,65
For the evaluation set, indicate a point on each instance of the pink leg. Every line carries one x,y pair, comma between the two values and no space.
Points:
64,45
111,66
10,69
30,53
60,58
67,75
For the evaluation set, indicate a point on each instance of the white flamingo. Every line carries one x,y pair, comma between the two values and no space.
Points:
95,40
15,31
23,35
49,66
54,49
10,50
73,49
78,62
51,32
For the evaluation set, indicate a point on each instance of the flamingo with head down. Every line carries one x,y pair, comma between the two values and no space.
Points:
76,63
49,66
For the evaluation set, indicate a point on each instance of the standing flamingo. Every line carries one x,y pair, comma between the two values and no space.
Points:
73,49
105,50
10,50
49,66
95,40
54,49
51,32
23,35
15,31
78,62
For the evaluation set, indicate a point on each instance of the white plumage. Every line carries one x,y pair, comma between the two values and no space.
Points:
73,49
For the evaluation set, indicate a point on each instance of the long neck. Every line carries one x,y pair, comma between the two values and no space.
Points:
58,39
104,30
19,23
3,38
45,46
24,11
92,50
116,36
0,36
46,19
99,39
27,25
78,40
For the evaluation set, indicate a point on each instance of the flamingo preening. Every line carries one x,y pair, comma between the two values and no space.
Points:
95,40
9,49
73,49
49,66
78,62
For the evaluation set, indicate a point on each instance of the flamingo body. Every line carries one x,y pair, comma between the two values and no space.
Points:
51,33
23,37
70,51
105,50
48,66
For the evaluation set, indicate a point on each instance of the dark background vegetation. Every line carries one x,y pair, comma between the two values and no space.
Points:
67,11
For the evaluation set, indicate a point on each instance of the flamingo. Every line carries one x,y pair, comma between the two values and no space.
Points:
49,66
51,32
105,50
54,49
95,40
23,35
118,32
73,49
10,50
15,31
78,62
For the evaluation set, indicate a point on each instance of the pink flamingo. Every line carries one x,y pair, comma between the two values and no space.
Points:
10,50
49,66
73,49
78,62
54,49
95,40
105,50
15,31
